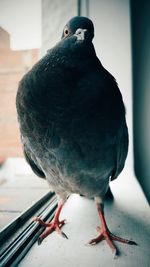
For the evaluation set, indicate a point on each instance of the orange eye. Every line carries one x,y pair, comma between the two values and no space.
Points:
66,32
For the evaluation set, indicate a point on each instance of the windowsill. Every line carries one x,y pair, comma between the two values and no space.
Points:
19,189
127,216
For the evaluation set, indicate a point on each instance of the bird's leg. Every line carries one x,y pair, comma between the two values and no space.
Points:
104,232
55,225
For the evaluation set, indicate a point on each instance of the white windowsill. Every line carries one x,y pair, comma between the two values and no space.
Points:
128,216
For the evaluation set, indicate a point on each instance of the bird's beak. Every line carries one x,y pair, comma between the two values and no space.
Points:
80,34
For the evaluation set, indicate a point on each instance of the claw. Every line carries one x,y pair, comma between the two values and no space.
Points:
115,254
64,235
39,240
96,240
55,225
132,243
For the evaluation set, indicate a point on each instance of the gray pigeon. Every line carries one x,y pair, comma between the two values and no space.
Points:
72,123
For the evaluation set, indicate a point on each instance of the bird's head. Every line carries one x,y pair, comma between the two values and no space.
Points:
81,28
76,41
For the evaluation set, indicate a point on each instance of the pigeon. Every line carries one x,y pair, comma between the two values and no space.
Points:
72,123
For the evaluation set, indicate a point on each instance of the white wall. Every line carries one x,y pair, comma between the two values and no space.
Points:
113,46
112,39
55,14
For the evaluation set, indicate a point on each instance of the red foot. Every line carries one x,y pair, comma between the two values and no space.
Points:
52,226
107,235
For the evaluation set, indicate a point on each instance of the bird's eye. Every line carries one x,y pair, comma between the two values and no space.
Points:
66,32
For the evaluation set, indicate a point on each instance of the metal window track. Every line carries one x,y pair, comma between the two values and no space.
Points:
13,253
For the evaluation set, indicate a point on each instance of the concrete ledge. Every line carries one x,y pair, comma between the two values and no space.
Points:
128,216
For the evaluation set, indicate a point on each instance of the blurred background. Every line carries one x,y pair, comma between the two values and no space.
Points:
122,40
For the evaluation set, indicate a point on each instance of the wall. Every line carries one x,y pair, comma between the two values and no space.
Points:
55,14
112,36
140,15
113,46
13,65
112,42
112,39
